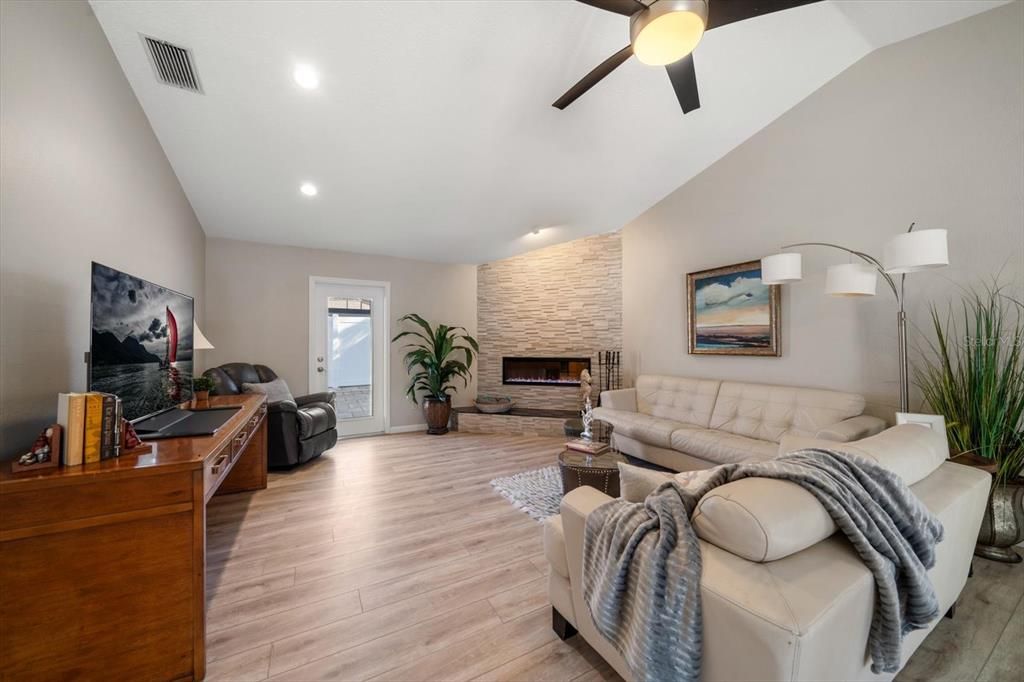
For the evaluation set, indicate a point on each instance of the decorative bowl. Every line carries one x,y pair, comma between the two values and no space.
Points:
494,404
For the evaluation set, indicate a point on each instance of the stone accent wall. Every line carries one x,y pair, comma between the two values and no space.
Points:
509,424
562,300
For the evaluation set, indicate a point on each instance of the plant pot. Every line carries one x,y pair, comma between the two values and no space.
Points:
200,400
437,413
1002,527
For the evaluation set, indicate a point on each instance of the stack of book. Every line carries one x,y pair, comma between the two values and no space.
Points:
92,427
589,447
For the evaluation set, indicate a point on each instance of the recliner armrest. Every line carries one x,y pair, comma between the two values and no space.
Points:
324,397
282,406
852,429
619,399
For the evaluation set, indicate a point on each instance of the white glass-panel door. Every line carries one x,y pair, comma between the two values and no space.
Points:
349,350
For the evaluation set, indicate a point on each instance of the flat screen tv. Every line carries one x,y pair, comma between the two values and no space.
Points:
141,348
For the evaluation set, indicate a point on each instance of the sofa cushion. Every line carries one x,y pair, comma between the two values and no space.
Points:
689,401
761,519
636,483
554,545
910,451
643,427
720,447
766,412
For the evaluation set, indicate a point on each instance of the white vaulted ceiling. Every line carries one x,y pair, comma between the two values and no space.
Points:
432,133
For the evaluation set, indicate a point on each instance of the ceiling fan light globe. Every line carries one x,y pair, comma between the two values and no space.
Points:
668,30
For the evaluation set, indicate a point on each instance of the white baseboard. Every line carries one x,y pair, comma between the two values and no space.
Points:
410,428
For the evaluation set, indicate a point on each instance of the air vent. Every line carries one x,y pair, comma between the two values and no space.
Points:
172,64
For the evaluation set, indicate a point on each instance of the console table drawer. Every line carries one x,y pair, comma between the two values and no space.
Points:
62,503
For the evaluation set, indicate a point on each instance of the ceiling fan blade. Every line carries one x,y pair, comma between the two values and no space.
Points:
722,12
625,7
684,82
592,78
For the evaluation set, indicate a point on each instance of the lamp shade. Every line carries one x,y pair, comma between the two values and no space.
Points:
850,279
914,251
199,342
781,268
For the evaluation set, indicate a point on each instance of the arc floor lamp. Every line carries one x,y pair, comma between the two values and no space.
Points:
905,253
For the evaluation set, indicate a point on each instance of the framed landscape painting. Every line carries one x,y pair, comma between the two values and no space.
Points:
730,312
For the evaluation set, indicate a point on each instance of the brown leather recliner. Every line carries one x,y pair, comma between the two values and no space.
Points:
297,431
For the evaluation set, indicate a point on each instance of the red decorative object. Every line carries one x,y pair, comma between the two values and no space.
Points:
45,451
129,438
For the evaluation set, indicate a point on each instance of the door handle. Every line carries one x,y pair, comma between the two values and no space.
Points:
319,369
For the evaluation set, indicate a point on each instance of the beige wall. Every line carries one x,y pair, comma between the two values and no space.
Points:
928,130
257,308
560,301
82,178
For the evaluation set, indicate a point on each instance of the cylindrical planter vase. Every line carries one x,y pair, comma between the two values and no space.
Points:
437,413
1002,527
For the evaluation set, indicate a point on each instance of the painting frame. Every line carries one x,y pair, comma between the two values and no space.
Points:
774,346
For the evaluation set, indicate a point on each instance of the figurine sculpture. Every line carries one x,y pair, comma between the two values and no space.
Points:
588,419
44,453
586,383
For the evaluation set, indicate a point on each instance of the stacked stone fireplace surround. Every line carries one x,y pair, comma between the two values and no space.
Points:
559,301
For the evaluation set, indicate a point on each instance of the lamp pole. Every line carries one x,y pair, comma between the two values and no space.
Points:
901,317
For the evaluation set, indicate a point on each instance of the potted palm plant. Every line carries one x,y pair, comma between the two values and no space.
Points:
973,374
437,357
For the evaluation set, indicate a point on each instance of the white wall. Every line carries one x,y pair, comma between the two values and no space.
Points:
257,308
82,178
928,130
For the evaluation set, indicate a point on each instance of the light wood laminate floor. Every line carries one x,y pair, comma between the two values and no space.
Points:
392,558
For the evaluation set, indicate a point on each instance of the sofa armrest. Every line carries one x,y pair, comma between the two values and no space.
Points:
324,397
852,429
576,506
619,399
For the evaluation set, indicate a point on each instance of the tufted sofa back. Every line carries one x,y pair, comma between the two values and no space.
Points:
690,401
766,412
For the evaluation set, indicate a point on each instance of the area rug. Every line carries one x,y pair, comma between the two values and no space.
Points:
537,492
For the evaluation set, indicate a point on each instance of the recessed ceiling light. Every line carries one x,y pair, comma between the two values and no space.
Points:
308,188
306,76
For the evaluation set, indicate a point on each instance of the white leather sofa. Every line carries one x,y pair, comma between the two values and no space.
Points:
686,424
785,596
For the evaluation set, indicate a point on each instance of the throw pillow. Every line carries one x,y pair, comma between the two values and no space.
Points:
276,390
636,483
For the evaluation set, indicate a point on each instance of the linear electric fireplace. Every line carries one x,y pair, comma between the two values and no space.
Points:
543,371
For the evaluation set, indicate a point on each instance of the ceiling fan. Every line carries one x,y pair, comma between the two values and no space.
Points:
665,33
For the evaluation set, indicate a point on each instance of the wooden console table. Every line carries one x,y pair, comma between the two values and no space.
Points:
102,566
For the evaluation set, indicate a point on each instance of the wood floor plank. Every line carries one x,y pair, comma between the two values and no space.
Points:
232,640
482,652
520,600
364,661
1006,662
246,666
312,644
553,662
397,589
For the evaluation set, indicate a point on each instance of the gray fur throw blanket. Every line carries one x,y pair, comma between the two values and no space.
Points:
642,561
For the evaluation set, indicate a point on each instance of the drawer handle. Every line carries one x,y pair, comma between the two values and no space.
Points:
216,467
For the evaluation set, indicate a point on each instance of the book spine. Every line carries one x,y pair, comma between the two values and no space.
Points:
107,428
63,409
93,427
118,426
76,429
